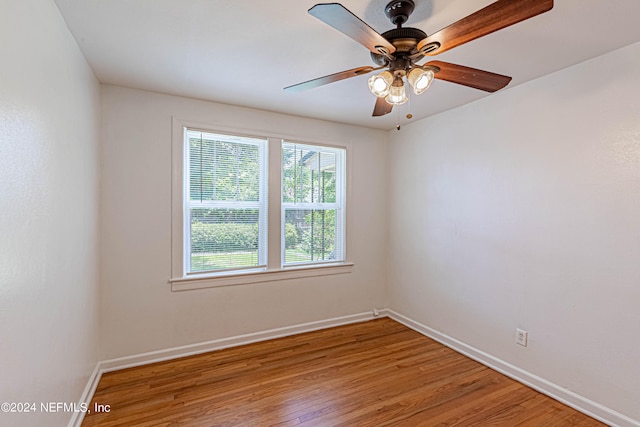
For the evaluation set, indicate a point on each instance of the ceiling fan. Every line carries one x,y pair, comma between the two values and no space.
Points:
397,51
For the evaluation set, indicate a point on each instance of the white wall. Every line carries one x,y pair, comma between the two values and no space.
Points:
140,313
520,210
49,171
523,210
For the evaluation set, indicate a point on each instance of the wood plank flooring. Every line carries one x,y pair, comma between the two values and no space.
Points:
376,373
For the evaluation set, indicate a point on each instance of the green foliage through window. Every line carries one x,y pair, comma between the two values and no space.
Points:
310,178
226,201
221,170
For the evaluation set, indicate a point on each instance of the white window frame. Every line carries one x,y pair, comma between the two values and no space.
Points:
338,205
261,204
274,271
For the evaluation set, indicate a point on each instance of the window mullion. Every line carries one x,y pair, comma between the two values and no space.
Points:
316,206
275,224
222,205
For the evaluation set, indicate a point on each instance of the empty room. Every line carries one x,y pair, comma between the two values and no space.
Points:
291,213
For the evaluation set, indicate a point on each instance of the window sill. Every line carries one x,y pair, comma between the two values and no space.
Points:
233,279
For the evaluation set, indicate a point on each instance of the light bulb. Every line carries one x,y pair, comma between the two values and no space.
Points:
397,93
380,84
420,79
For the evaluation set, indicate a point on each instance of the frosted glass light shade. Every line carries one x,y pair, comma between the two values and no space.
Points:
380,84
397,93
420,79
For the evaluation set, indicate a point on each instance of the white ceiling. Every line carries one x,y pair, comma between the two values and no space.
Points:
245,52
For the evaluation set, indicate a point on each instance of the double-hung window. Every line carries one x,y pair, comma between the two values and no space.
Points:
248,209
312,204
225,202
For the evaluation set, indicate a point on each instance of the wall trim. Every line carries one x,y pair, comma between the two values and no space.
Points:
221,343
245,278
87,395
559,393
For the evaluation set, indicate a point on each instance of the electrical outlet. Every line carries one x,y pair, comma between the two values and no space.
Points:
521,337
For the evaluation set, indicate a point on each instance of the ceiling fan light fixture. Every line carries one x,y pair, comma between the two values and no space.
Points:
420,79
399,49
380,84
397,94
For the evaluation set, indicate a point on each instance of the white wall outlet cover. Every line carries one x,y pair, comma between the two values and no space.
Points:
521,337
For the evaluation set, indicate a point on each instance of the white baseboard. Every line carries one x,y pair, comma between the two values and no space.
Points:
87,395
204,347
561,394
568,397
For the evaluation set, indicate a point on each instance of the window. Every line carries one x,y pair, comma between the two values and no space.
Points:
252,208
312,204
224,203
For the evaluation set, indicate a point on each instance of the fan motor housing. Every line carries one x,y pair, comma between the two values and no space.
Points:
405,41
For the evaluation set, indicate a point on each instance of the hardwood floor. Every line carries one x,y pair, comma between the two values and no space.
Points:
376,373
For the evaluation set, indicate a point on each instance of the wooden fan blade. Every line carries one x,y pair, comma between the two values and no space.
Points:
328,79
382,107
494,17
472,77
340,18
